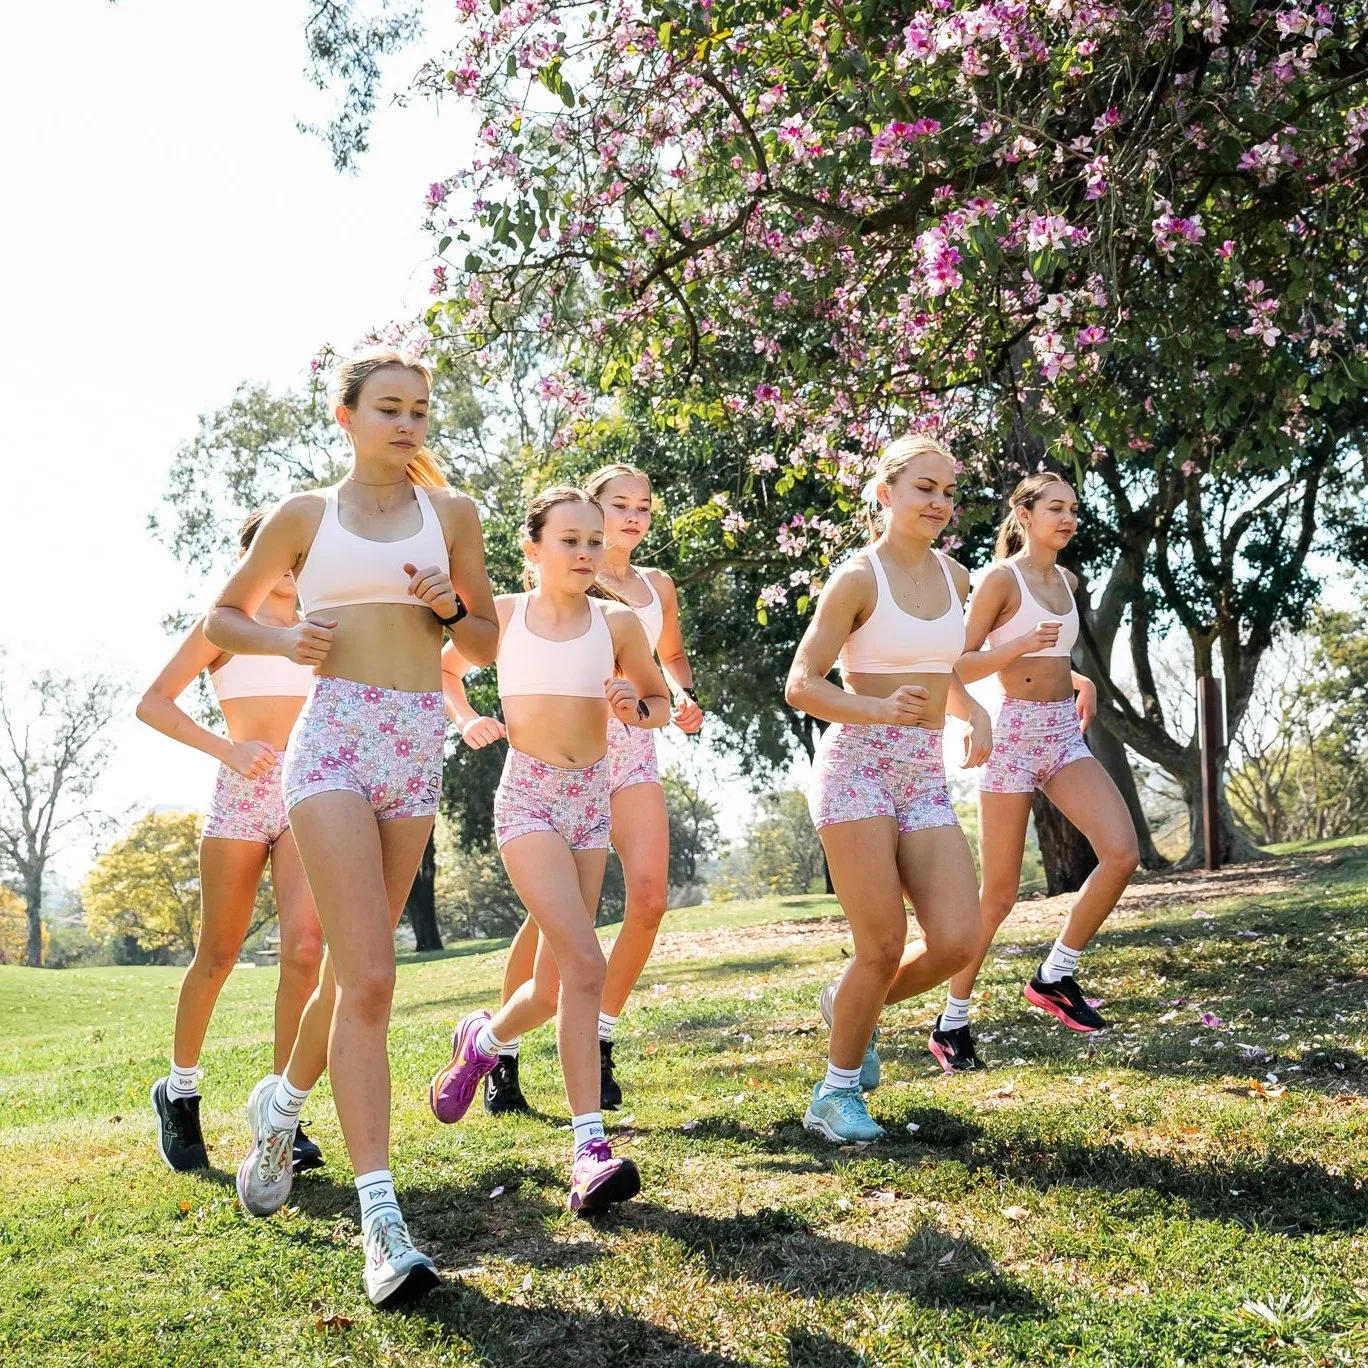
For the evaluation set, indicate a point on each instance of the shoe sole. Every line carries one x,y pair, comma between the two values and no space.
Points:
815,1123
622,1186
418,1282
1045,1005
161,1149
940,1056
443,1076
243,1168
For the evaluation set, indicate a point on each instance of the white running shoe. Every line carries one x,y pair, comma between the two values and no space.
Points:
266,1175
396,1272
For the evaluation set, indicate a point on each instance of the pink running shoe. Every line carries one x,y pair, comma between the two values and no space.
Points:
453,1089
600,1178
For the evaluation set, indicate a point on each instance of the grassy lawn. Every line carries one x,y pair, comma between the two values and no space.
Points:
1122,1199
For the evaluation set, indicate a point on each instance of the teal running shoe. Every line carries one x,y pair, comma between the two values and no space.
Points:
842,1116
869,1066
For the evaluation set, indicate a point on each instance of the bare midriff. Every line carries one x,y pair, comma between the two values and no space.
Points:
261,719
390,645
1038,679
573,731
937,687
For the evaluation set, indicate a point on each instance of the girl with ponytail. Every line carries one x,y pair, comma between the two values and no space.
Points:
572,662
386,562
1023,624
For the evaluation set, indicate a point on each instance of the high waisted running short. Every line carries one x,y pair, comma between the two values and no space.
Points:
534,796
880,771
1032,742
631,756
385,744
247,809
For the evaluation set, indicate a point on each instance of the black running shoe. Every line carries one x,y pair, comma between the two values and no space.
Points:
954,1050
610,1094
502,1092
1066,1001
306,1153
179,1138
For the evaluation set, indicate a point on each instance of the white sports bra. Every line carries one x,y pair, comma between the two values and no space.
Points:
891,641
1030,611
344,569
532,664
260,676
651,615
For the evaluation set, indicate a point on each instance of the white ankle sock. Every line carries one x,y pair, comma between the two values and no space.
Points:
512,1047
1061,961
376,1191
607,1025
839,1080
956,1013
587,1127
487,1043
286,1102
182,1082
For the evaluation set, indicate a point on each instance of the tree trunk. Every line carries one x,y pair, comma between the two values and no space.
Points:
421,906
33,896
1066,855
1236,847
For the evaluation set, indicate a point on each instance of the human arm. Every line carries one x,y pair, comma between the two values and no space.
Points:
639,686
280,544
674,663
477,730
849,593
992,603
465,579
978,740
1086,701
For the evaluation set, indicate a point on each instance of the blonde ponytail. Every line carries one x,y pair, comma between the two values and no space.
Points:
352,375
424,470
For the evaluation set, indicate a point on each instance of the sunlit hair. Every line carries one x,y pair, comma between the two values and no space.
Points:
896,458
605,475
352,375
247,532
1011,537
534,524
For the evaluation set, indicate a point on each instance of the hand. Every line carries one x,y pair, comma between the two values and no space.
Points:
311,640
433,587
622,698
480,732
904,706
978,740
1041,637
251,759
1086,704
687,715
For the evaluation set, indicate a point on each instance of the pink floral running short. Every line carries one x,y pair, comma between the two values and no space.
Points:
385,744
631,756
880,771
247,809
1032,742
534,796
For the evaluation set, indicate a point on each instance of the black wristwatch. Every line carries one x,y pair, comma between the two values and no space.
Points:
643,712
461,611
689,689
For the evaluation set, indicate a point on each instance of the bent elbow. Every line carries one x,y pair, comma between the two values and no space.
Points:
795,692
143,712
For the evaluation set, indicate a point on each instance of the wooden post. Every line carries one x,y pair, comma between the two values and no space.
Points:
1211,736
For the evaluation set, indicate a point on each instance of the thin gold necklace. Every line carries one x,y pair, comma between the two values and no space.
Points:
370,484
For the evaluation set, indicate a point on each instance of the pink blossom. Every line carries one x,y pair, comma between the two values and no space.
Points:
1092,336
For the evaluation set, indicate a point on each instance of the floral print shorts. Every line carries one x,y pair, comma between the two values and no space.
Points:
880,771
385,744
1032,742
534,796
631,756
247,809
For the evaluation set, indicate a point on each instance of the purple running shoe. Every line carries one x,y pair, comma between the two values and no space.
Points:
453,1089
599,1179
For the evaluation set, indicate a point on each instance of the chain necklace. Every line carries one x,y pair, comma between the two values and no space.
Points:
387,484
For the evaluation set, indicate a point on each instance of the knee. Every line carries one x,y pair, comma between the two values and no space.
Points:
214,962
301,953
955,946
582,969
646,906
1120,857
996,903
368,997
881,955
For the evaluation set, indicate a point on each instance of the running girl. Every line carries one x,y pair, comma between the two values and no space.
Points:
384,561
1025,610
893,615
566,662
640,826
260,697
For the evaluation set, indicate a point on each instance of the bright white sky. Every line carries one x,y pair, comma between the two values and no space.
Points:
168,234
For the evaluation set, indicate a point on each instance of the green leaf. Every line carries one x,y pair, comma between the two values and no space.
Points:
444,244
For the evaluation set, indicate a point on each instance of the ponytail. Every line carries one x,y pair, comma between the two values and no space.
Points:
1011,536
424,470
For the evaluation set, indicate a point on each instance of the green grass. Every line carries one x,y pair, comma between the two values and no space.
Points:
1170,1217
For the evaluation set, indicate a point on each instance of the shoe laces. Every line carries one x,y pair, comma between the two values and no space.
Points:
849,1103
600,1151
387,1237
277,1147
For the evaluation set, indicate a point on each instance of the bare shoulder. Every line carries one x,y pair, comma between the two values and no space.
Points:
855,577
959,574
503,606
303,509
997,578
454,508
1070,579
